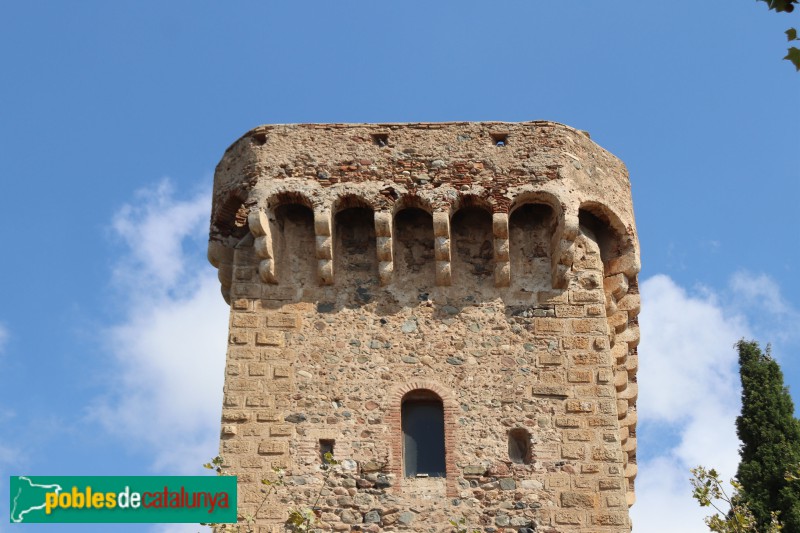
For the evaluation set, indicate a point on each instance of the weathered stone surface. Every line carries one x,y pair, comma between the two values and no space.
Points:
611,519
371,466
551,390
373,265
406,518
507,483
578,499
409,326
616,285
474,470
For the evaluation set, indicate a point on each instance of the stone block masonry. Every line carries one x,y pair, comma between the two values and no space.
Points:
452,308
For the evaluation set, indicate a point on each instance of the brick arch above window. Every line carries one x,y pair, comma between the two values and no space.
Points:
449,405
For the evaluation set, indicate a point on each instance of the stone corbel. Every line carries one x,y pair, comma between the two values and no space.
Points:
221,257
441,234
502,265
383,235
259,227
324,246
562,247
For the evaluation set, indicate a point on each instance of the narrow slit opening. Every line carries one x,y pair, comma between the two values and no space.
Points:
519,446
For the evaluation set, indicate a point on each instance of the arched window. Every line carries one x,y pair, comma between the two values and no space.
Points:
519,446
423,434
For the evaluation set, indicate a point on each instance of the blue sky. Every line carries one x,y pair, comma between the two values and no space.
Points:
113,116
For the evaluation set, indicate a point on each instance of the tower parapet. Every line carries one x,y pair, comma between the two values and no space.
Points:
381,276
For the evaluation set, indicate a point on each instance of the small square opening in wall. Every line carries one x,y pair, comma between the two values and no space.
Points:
260,138
325,447
519,446
499,139
381,139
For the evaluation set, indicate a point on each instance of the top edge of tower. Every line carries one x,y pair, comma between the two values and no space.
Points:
441,165
510,147
376,126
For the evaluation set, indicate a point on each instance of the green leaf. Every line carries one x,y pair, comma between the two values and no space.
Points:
791,34
794,57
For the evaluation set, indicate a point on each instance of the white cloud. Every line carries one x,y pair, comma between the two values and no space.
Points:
156,231
688,396
169,350
663,501
760,296
759,290
3,337
686,350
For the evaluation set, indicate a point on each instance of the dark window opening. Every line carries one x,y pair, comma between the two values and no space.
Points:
500,139
381,139
325,447
519,446
231,218
600,231
423,435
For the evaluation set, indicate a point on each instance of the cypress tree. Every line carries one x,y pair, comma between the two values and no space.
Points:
770,436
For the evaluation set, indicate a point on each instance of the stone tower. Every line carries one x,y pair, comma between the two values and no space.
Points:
451,309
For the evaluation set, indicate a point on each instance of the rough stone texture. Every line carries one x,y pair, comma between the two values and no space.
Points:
491,264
